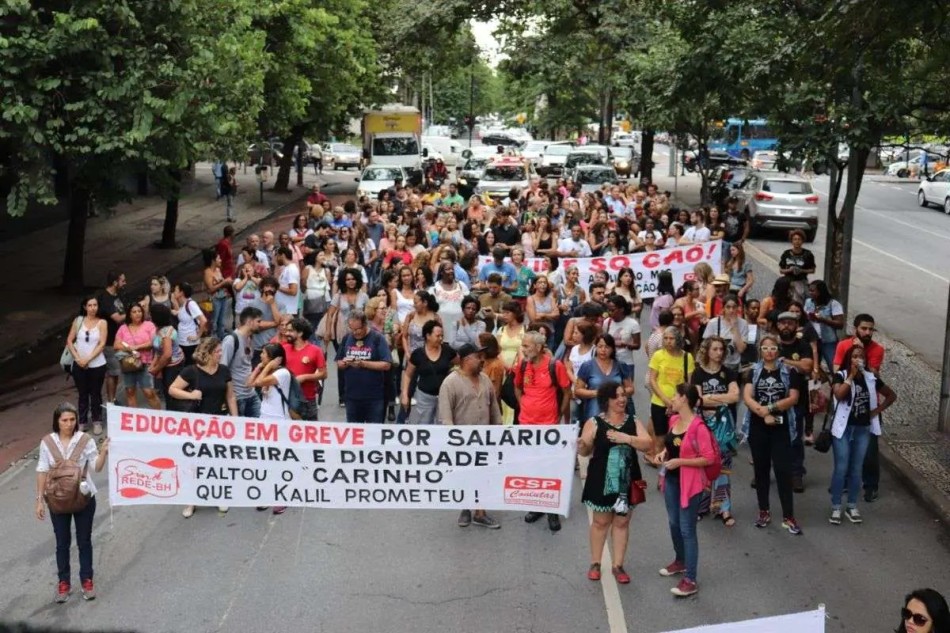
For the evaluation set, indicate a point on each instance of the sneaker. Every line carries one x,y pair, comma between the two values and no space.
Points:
686,587
853,515
798,484
870,496
765,517
594,572
188,511
262,508
621,575
486,521
835,518
88,590
62,592
465,518
278,509
790,524
223,509
531,517
676,567
391,414
554,523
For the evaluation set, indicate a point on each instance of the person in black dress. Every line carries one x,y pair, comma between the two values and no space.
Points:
611,439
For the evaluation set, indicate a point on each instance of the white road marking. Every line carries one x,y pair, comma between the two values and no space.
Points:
616,621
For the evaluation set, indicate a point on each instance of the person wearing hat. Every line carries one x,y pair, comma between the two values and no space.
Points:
467,397
715,302
797,354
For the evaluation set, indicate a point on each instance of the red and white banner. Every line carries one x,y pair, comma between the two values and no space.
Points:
646,267
172,458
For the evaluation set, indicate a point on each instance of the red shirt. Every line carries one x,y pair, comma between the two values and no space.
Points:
539,401
873,353
223,249
317,198
307,360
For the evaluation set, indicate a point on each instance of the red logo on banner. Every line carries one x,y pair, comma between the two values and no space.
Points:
158,478
533,491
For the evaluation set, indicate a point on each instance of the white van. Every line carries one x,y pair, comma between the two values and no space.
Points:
449,149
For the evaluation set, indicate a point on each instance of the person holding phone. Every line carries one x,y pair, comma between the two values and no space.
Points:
771,393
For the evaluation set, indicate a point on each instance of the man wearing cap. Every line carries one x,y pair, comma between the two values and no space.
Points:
796,353
715,303
467,397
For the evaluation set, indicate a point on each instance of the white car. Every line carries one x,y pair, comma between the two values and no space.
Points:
337,155
534,149
622,139
377,178
935,190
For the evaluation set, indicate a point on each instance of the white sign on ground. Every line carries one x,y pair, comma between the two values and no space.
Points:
807,622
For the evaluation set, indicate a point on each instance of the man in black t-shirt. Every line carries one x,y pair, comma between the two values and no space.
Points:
506,231
735,224
112,309
796,264
796,353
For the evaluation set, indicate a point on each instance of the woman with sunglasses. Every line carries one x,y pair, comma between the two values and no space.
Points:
610,439
687,449
925,611
771,393
86,341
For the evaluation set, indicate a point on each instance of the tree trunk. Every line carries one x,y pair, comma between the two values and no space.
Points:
839,247
74,263
142,182
171,212
282,183
300,165
646,156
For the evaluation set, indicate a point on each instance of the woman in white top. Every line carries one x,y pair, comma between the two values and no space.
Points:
191,320
403,296
449,292
86,341
300,230
66,440
581,352
318,287
273,379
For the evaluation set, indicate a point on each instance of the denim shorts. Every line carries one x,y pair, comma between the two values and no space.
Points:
140,379
113,368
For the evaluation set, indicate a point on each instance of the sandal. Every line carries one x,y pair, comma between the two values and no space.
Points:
728,521
622,576
594,572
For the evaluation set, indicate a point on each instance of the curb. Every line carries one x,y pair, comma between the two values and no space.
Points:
32,356
923,491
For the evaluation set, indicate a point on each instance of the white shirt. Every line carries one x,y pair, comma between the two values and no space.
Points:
290,274
188,323
261,258
272,405
581,247
659,237
698,234
86,460
623,332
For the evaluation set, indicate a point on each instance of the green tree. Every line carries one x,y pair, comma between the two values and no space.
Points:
89,87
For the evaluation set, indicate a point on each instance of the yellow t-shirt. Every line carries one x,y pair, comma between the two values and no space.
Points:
669,372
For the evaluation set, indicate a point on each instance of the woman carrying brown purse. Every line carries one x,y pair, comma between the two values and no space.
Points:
611,439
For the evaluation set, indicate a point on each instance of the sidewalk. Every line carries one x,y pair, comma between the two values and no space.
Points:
35,314
911,446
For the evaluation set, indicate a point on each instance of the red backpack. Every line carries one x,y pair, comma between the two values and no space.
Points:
714,469
62,492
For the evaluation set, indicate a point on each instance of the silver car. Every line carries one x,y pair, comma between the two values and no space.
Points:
500,177
774,200
337,155
593,177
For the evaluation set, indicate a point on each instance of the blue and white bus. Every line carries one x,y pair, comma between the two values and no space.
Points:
741,138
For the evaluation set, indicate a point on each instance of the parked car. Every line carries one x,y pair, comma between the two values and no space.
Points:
342,155
593,177
377,178
626,161
725,179
553,159
503,174
470,173
774,200
498,138
583,156
935,190
907,168
273,153
622,139
534,149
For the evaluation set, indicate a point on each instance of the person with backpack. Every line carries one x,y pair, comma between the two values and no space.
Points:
543,392
63,483
306,362
689,461
192,322
274,380
771,392
237,354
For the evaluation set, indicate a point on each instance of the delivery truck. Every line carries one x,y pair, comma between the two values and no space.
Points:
391,137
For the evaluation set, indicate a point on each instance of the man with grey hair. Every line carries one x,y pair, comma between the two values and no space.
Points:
254,241
364,359
543,390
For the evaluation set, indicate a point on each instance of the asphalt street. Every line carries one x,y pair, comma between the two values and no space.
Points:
900,258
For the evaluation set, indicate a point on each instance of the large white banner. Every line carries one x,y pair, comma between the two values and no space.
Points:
646,267
807,622
166,457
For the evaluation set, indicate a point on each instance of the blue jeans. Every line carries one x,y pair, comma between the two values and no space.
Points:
220,309
62,528
683,526
365,411
849,452
826,352
249,407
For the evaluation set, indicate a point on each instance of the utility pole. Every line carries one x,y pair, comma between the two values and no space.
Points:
943,417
